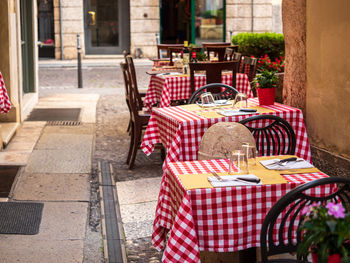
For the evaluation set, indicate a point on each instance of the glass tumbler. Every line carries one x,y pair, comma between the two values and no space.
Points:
207,98
250,150
238,159
241,101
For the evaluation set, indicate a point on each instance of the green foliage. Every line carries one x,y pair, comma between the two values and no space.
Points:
201,56
267,79
324,234
259,44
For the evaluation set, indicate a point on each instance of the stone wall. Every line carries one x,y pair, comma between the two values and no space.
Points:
72,24
144,24
239,16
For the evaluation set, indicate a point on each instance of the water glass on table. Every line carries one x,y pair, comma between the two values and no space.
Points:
250,150
239,159
241,101
207,98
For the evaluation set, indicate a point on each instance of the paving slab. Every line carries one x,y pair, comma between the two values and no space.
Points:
20,249
138,212
60,161
14,158
81,129
138,229
63,221
53,187
138,191
78,142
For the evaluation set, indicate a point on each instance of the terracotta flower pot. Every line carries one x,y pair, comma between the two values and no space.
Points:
335,258
266,96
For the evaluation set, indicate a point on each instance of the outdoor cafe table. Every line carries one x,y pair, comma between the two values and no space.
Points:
165,88
180,130
222,219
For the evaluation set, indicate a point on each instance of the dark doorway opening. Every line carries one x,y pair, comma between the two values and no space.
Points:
46,33
7,178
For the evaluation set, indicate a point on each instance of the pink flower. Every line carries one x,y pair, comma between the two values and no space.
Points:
306,210
336,210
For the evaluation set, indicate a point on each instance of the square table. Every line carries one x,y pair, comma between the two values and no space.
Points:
181,130
165,88
222,219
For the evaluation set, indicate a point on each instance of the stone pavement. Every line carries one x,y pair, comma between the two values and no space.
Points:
61,171
57,172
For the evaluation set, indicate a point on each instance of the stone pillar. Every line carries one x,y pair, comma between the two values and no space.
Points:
294,29
72,24
144,24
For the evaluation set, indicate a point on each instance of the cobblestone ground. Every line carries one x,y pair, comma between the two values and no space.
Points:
112,140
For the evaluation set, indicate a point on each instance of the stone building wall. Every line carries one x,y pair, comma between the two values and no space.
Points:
239,16
72,24
144,24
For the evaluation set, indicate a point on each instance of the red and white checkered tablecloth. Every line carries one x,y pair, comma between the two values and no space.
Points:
5,103
165,88
180,131
214,219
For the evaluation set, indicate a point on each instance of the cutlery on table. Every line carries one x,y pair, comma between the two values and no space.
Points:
238,179
284,162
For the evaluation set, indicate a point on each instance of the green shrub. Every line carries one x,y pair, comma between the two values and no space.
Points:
259,44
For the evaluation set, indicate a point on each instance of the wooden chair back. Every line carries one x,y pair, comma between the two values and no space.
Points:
249,67
213,72
165,47
133,84
220,51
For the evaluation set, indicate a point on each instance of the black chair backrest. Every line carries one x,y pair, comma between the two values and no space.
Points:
285,215
213,72
273,135
133,81
249,67
227,92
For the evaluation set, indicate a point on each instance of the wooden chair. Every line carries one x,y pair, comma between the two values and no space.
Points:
275,137
219,51
214,44
230,55
225,92
213,71
172,51
165,47
249,67
283,215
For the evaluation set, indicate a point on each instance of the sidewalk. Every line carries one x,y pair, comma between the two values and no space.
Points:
57,172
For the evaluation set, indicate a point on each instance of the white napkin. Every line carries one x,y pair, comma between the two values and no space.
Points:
217,183
228,113
300,164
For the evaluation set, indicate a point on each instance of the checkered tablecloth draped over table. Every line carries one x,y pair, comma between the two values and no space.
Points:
180,131
164,89
5,104
214,219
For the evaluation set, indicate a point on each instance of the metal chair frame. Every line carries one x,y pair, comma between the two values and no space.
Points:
227,92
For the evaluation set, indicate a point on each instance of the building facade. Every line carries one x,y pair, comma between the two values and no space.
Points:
18,63
106,27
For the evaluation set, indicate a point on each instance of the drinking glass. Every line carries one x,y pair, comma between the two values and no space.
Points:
250,150
207,98
239,159
241,101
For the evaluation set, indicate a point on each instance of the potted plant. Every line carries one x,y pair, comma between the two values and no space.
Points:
265,84
325,233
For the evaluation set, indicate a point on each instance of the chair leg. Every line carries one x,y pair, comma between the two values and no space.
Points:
162,153
129,127
131,142
137,138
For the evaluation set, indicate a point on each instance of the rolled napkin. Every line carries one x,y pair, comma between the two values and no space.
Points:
229,180
273,164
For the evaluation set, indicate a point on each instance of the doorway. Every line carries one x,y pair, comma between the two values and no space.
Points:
107,26
27,46
194,20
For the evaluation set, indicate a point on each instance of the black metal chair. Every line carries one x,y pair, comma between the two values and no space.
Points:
273,135
285,214
226,92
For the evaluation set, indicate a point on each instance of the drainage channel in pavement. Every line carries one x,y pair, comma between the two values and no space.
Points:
112,229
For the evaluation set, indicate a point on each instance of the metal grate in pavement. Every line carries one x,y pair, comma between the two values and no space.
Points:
55,114
114,242
63,123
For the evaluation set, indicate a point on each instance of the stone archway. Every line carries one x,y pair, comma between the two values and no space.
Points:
294,29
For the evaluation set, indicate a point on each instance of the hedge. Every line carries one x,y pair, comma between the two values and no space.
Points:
259,44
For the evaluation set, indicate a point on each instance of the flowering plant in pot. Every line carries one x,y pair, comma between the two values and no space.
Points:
265,84
325,233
